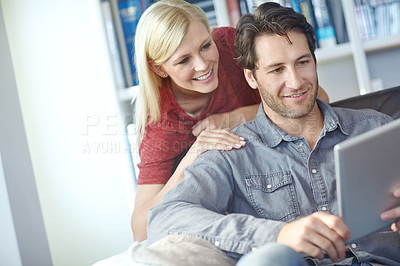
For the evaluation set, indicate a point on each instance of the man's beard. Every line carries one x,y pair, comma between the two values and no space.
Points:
280,108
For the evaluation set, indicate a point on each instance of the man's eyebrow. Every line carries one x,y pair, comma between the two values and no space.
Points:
307,55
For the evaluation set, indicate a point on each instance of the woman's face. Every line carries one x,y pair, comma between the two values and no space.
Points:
193,68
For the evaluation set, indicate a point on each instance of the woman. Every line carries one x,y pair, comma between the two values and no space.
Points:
192,92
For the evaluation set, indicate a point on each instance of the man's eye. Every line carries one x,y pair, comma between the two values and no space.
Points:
277,70
303,62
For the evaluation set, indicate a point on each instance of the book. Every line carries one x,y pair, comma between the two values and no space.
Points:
251,6
233,11
336,10
382,19
259,2
144,4
307,10
129,14
365,19
244,9
362,30
294,4
208,8
325,30
394,17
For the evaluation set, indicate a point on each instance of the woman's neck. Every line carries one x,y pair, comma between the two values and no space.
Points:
193,103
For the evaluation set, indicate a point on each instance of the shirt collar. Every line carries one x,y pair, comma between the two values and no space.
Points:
273,135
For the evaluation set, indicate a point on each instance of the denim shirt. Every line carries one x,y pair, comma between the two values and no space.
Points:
240,199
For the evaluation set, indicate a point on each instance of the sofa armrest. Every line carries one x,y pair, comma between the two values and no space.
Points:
385,101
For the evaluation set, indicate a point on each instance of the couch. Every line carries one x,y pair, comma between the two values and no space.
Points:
385,101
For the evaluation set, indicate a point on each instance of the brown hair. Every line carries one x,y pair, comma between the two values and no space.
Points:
269,18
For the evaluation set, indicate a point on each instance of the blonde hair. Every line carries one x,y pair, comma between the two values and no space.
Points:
160,30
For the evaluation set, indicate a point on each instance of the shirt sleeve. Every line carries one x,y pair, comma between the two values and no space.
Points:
200,207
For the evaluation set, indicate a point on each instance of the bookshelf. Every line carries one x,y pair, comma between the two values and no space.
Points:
356,65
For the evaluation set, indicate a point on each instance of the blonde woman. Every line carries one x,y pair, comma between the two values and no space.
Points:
192,92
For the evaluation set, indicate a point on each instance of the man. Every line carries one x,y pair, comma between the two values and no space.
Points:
281,187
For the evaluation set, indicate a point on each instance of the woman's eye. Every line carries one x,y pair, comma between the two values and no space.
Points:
206,46
184,61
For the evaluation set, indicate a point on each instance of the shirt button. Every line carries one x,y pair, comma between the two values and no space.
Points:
324,208
354,245
269,186
301,144
216,243
314,171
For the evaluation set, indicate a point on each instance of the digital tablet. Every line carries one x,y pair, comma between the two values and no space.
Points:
367,172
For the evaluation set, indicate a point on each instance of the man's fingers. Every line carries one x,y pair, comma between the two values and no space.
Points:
326,237
335,223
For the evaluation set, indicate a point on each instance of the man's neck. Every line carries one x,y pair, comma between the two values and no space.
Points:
309,127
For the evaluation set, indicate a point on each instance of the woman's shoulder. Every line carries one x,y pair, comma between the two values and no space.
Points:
224,38
224,32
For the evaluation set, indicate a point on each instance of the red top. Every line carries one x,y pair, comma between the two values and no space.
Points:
165,140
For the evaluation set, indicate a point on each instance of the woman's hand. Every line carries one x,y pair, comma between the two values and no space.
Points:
393,213
214,139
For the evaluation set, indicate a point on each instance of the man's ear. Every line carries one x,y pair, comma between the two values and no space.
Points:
157,69
248,74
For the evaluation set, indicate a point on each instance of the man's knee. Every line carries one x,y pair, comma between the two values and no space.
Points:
272,254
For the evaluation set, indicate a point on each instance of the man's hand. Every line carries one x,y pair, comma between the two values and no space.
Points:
315,233
393,213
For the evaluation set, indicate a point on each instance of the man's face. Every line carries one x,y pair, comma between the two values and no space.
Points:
286,75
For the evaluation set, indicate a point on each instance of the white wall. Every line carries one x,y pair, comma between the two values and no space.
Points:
65,84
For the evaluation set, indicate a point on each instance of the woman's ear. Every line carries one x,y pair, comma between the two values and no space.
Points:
157,69
248,74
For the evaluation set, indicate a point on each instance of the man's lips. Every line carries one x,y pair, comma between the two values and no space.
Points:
295,95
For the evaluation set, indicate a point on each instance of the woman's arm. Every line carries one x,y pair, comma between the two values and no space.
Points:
148,196
323,95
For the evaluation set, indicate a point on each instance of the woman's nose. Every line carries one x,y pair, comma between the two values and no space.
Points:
200,64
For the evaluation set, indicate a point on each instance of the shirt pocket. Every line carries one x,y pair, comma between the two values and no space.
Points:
273,195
